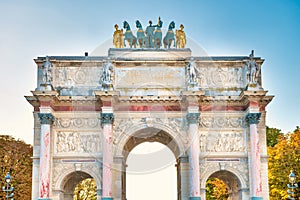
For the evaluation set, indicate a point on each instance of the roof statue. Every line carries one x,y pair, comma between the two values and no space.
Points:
253,69
140,35
118,37
106,78
129,37
150,35
47,71
169,36
150,38
180,37
158,34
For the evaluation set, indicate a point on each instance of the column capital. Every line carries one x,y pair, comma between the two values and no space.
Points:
253,118
183,159
46,118
193,118
107,118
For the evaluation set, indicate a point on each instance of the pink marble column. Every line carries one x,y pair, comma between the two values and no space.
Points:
255,172
193,119
107,159
46,120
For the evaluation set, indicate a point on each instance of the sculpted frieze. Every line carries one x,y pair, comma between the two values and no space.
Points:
67,77
75,142
77,123
221,77
221,122
222,142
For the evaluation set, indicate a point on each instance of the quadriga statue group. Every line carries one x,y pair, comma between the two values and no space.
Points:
150,38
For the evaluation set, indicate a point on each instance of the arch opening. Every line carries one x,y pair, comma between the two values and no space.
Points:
71,181
151,157
227,185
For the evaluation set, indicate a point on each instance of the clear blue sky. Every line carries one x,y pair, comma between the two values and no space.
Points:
32,28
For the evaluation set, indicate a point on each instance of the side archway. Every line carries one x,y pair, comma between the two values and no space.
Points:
236,185
66,183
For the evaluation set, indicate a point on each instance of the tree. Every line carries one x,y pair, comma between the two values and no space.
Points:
216,189
15,157
86,190
272,136
283,157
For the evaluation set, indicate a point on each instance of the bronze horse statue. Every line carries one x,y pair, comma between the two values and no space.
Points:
128,36
170,36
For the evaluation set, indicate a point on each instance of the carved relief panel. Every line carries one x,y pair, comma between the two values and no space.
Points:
77,142
214,76
67,77
77,135
222,141
220,132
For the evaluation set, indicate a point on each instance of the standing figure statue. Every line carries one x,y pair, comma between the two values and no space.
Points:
150,35
129,37
106,79
170,36
118,40
47,71
140,35
158,34
253,69
180,37
192,72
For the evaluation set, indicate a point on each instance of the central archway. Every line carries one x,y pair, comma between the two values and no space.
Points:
146,180
152,134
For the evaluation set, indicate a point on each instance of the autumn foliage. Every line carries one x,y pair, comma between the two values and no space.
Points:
283,157
216,189
15,157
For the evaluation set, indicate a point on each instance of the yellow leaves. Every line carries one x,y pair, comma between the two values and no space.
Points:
283,157
86,189
16,158
216,189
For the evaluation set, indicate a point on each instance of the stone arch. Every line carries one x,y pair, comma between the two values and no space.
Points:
154,133
230,177
178,137
72,176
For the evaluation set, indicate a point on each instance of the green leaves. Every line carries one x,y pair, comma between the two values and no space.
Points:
273,136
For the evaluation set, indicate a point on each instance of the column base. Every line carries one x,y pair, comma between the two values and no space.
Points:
107,198
256,198
195,198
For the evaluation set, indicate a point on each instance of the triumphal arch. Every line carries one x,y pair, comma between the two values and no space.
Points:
91,111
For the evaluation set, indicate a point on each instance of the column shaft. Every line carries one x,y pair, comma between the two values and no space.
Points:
255,173
255,162
194,150
107,160
45,157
